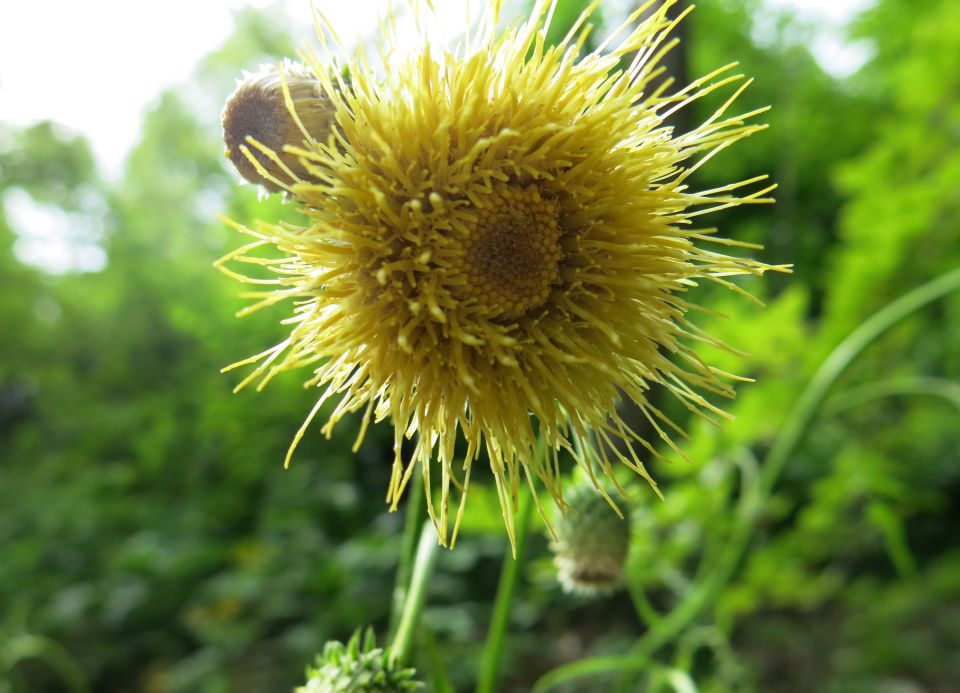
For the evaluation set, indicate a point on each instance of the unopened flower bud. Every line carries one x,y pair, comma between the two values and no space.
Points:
358,667
592,543
257,110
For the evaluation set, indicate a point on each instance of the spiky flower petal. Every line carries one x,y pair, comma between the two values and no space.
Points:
500,244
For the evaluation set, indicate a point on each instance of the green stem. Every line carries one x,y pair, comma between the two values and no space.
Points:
408,547
50,652
642,605
838,361
908,385
790,434
413,604
493,647
591,666
440,680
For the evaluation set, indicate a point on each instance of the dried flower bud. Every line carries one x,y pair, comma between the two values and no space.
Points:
592,543
257,110
357,668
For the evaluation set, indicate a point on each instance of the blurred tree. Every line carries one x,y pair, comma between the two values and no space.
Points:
147,524
863,517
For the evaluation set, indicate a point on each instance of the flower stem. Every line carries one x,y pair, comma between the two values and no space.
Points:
440,679
894,387
790,434
645,611
493,647
408,547
52,653
706,593
413,603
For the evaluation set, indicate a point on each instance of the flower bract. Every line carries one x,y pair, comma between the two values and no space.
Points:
358,667
591,544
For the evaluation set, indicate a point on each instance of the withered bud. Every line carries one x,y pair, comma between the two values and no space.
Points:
257,110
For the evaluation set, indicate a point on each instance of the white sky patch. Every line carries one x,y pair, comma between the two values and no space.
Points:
823,25
53,239
96,66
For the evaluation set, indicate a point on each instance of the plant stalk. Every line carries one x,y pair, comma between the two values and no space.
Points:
408,547
796,425
799,419
413,603
493,647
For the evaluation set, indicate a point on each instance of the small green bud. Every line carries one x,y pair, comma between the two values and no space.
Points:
592,542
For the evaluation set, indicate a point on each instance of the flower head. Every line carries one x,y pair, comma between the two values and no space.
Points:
500,245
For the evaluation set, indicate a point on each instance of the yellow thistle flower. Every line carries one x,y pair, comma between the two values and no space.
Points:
500,244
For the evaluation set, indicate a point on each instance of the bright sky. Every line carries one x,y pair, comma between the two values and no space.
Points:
96,66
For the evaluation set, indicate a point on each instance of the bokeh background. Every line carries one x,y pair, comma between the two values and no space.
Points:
149,538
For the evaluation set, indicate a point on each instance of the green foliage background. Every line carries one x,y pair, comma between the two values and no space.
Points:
152,542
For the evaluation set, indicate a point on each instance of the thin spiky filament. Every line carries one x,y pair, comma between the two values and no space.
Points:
406,311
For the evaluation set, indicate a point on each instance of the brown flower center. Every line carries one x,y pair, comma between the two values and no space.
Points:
511,252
